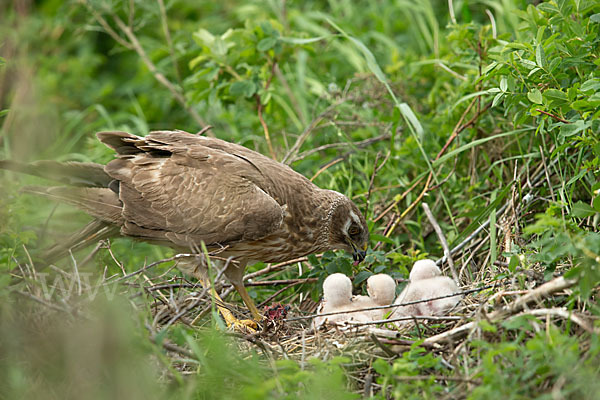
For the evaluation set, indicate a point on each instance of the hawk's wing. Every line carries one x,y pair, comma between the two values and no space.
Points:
175,187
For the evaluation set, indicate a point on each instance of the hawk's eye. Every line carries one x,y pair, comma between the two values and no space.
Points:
353,231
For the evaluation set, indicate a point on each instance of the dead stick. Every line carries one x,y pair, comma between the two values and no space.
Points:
157,75
259,107
443,241
537,294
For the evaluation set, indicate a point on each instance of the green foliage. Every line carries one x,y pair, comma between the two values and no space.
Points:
516,369
414,366
67,358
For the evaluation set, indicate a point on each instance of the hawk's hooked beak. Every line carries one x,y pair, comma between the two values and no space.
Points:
358,255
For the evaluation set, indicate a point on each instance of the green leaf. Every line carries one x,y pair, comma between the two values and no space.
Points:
489,68
497,99
540,56
514,263
381,238
596,203
197,60
503,84
477,142
412,118
361,277
582,210
555,96
486,326
266,44
595,18
591,84
203,37
243,88
218,47
567,130
301,41
533,71
535,96
528,64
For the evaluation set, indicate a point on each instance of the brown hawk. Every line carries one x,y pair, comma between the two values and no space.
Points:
179,189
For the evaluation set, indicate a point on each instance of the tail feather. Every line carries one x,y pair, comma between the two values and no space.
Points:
101,203
93,232
89,189
69,173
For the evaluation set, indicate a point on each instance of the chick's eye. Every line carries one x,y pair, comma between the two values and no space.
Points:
353,231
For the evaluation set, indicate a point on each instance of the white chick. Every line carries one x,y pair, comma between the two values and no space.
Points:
381,289
337,296
426,282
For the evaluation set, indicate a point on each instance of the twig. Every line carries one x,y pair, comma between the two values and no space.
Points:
443,241
397,201
157,75
274,267
259,107
516,306
290,93
110,31
547,174
169,346
289,157
476,232
387,351
76,272
276,282
165,26
563,313
198,299
436,377
372,181
44,302
326,167
556,117
277,293
458,129
361,144
407,318
146,267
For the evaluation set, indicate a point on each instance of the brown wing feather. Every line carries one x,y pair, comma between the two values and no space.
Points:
190,191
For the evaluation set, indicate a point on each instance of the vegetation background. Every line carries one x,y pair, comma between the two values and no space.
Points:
485,110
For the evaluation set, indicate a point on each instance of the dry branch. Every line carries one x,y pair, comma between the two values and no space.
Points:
516,306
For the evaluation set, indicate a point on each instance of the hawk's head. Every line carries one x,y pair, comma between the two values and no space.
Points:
348,228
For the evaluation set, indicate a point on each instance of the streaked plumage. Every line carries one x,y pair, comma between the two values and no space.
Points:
179,189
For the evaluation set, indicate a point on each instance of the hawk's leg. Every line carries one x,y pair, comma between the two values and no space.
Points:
192,268
235,275
230,319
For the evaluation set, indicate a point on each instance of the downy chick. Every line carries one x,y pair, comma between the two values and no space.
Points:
426,282
381,289
337,296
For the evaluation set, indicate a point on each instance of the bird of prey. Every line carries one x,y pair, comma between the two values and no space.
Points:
179,189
